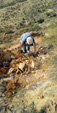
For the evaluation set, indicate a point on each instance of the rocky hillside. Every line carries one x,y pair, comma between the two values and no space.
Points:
28,83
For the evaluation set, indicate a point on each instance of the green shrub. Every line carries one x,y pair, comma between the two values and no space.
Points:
41,20
48,14
51,14
21,24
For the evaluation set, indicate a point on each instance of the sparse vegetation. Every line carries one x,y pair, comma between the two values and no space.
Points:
24,15
28,82
52,14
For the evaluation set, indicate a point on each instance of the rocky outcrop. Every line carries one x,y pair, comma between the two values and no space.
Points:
5,57
25,83
22,64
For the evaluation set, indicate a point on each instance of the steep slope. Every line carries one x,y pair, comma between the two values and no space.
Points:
24,10
28,83
25,15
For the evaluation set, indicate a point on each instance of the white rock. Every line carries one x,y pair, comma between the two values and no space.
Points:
11,70
21,66
8,79
25,75
33,64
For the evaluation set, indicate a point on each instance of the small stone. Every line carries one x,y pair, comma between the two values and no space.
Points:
19,53
41,96
7,55
25,75
21,66
8,79
18,71
50,46
32,64
5,64
2,71
12,70
3,76
9,94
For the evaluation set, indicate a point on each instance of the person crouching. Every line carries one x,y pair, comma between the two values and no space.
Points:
27,40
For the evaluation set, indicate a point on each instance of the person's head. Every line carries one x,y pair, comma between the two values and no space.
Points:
29,40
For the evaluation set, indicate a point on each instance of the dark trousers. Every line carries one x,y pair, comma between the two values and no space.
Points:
25,50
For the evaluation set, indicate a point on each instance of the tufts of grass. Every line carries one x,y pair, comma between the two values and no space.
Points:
53,14
51,38
23,16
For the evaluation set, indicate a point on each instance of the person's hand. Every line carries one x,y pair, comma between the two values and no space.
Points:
34,51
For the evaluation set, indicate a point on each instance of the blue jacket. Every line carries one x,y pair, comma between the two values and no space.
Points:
25,36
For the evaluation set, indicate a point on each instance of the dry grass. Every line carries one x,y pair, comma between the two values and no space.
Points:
24,16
